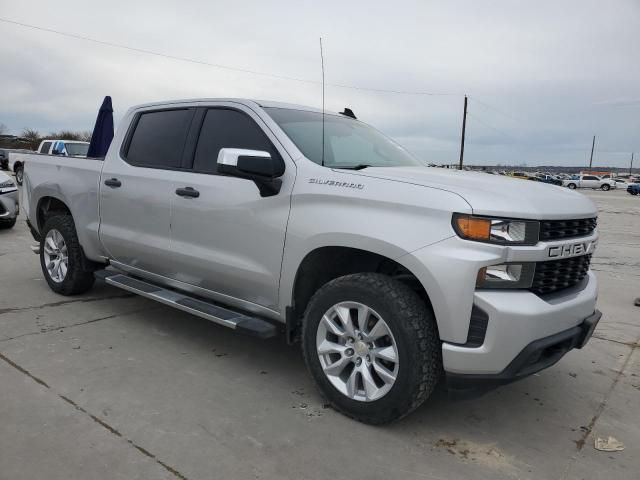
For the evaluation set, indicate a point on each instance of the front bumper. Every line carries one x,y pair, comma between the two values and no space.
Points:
516,319
9,206
536,356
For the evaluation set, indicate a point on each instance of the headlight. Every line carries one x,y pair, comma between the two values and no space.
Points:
507,275
8,186
501,231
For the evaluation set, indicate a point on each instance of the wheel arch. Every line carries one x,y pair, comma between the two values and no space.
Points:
323,264
49,206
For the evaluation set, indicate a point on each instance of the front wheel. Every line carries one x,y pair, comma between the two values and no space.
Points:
19,174
605,187
572,186
372,346
62,259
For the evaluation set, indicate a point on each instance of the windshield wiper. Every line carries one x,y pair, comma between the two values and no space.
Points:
360,166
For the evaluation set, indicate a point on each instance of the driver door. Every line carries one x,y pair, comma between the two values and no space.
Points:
228,240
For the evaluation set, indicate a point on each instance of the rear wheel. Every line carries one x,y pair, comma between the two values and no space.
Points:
62,259
372,347
19,174
605,187
572,186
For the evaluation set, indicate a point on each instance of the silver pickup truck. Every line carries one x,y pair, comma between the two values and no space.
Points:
393,275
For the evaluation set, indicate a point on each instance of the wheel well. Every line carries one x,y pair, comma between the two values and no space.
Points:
328,263
16,165
49,207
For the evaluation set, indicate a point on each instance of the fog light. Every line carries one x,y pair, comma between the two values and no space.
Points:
506,275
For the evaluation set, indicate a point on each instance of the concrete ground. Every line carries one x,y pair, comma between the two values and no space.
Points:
111,386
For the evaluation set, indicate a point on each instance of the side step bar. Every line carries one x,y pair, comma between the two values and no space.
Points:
241,322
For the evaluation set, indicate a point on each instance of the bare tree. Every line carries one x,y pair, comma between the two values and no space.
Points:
85,136
32,137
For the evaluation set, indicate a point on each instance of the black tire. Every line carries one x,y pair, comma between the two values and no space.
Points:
605,187
413,327
79,278
7,224
19,171
572,186
633,192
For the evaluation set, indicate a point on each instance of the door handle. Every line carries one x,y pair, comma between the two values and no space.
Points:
113,183
187,192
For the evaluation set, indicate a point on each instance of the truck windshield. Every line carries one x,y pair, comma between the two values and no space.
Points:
77,149
348,143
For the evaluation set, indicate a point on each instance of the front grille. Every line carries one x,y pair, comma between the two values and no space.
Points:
559,274
559,229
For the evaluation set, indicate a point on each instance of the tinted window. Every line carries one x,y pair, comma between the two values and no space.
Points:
223,128
589,177
159,137
45,147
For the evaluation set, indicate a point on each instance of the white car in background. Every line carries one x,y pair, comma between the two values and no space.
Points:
590,181
64,148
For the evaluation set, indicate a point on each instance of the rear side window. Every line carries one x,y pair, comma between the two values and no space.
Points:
589,177
158,139
225,128
45,147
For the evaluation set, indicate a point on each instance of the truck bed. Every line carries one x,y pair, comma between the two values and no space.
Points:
74,181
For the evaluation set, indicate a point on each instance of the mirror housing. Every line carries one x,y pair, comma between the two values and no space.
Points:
255,165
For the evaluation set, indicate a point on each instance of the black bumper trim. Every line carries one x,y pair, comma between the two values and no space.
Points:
536,356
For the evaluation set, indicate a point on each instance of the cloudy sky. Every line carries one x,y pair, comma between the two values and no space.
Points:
542,76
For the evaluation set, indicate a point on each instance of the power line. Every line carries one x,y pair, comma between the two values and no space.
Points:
217,65
491,126
495,109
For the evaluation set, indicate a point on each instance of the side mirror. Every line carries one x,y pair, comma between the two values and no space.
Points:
249,163
254,165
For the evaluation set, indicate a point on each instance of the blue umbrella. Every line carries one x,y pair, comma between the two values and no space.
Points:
103,131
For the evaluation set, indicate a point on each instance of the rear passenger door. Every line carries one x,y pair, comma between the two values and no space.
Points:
137,187
229,240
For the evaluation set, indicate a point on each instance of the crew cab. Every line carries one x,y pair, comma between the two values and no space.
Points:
266,217
589,181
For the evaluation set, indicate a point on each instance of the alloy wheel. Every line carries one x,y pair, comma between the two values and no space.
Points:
357,351
56,257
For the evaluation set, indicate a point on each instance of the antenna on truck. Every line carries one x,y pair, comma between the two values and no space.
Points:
322,65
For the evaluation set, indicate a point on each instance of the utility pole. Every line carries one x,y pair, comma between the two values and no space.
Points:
593,144
464,127
631,166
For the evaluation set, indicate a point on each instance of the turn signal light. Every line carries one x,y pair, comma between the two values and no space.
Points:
473,228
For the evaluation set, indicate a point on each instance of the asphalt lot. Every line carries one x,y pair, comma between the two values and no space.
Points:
112,386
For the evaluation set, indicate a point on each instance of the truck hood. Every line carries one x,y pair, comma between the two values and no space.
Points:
494,195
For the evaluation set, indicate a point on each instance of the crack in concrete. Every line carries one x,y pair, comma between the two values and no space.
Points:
619,342
96,419
63,302
55,329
